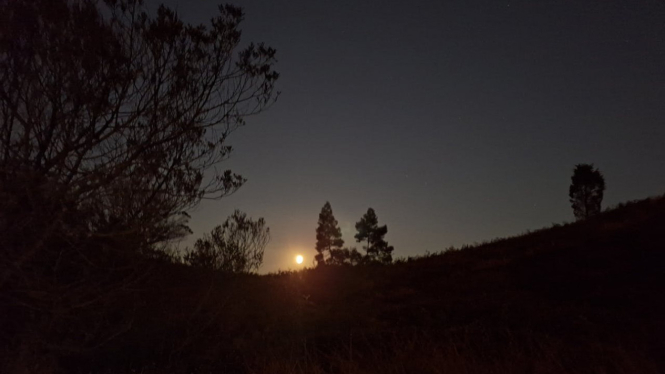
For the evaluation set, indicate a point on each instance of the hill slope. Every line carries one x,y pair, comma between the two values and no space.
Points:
585,297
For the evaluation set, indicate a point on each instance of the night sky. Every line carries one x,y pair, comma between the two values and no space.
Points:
457,122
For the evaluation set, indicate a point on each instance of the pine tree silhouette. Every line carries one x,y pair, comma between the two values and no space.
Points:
369,230
328,236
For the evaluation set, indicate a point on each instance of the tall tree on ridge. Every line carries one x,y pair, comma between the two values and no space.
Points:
328,236
369,230
586,191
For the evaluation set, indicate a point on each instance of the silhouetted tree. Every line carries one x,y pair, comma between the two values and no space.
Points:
111,124
345,256
328,237
370,232
116,114
586,191
235,246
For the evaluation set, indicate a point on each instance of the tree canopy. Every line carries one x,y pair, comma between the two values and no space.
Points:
113,124
121,116
369,231
236,246
586,191
328,237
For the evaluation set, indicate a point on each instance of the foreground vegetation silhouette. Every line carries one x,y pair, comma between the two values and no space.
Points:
235,246
576,298
111,120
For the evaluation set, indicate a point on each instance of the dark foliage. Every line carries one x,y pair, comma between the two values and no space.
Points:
121,113
111,121
345,256
236,246
586,191
329,238
370,232
575,298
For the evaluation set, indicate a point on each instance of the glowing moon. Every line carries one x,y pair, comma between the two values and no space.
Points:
299,259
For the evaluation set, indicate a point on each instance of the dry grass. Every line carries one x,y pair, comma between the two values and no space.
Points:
575,298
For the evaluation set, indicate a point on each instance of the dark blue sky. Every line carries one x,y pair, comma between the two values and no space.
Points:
456,121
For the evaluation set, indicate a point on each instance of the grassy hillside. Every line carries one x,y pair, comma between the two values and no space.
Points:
587,297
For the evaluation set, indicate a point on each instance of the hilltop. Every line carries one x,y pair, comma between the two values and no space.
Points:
584,297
